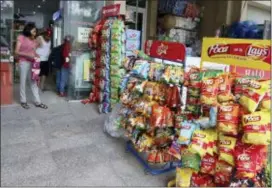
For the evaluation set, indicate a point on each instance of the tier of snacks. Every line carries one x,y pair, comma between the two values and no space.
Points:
225,140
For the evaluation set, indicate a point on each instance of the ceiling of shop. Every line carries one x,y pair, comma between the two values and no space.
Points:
28,6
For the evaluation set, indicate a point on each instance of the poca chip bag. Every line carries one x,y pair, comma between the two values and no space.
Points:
209,91
256,127
253,94
226,149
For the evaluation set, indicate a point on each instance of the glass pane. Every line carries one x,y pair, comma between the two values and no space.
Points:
79,18
5,30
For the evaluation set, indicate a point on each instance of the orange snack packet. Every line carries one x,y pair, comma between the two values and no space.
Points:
224,90
226,149
255,128
253,94
228,119
209,91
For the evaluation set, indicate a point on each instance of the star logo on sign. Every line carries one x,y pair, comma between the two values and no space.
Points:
162,49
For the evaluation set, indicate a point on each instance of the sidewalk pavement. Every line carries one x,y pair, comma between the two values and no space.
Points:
65,146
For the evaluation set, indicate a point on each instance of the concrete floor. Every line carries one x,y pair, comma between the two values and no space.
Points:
65,146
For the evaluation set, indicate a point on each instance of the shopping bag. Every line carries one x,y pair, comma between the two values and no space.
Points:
35,70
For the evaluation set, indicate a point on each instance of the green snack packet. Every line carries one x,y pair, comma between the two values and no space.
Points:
116,47
116,60
114,101
142,55
190,160
115,82
194,108
114,94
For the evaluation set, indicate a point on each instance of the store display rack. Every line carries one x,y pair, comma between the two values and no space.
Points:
147,168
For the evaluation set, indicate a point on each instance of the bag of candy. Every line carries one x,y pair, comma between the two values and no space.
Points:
189,159
223,173
209,91
199,142
186,132
183,177
253,94
228,119
224,91
208,164
255,128
226,149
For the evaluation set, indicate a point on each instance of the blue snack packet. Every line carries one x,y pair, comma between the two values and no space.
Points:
186,132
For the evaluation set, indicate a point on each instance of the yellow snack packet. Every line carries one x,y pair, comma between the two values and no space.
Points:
199,142
183,177
226,149
256,127
265,104
253,94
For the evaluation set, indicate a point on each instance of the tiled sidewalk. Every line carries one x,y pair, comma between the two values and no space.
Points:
65,146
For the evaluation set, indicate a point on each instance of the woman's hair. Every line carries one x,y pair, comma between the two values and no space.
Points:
28,28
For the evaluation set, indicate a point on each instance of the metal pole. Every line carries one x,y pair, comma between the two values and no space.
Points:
137,4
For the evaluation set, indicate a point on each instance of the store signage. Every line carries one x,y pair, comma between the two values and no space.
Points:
83,34
254,54
262,74
171,51
111,10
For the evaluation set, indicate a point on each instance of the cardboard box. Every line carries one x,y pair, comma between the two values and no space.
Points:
132,45
133,34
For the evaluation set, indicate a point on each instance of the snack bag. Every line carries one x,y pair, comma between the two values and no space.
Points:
156,118
228,119
240,83
226,149
246,161
224,91
209,91
175,150
223,172
253,94
149,90
255,127
202,180
186,132
139,67
114,94
189,159
211,73
199,142
265,104
193,92
195,78
167,74
208,164
183,177
144,142
152,156
173,99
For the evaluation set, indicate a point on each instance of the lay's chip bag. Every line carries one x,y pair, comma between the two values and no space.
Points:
183,177
256,128
226,149
253,94
199,142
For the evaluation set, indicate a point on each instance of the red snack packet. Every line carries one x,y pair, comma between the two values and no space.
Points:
167,118
173,97
224,91
159,157
152,156
202,180
208,164
156,118
223,172
175,150
209,91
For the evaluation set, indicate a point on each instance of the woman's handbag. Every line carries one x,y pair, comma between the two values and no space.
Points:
35,70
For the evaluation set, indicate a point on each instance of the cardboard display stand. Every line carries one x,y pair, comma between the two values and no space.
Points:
243,55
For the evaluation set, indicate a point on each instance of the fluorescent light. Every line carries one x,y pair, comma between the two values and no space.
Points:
39,6
43,0
34,12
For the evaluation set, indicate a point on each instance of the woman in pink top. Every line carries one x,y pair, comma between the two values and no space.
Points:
26,51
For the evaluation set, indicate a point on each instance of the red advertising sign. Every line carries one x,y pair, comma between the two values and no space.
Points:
171,51
262,74
111,10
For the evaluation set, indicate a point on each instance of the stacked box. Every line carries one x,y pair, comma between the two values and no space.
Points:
133,41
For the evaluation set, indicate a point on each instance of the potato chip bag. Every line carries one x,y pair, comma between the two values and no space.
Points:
199,142
253,94
183,177
223,172
265,103
189,159
209,91
228,119
144,142
149,90
240,83
255,127
175,150
224,91
186,131
210,73
202,180
226,148
156,118
195,79
208,164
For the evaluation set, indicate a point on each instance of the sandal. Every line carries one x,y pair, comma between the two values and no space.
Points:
41,105
25,105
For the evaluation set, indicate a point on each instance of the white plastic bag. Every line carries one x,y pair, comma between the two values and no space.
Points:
111,125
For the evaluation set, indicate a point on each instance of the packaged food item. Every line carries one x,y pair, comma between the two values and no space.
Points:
152,156
183,177
228,119
186,132
156,116
224,91
208,164
173,99
213,116
226,149
175,150
210,73
144,142
190,160
223,173
202,180
195,78
149,90
199,142
209,91
265,103
114,94
253,94
141,69
194,108
255,127
242,183
240,83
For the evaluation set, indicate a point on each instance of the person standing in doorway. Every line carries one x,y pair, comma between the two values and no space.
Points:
26,51
43,50
63,73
